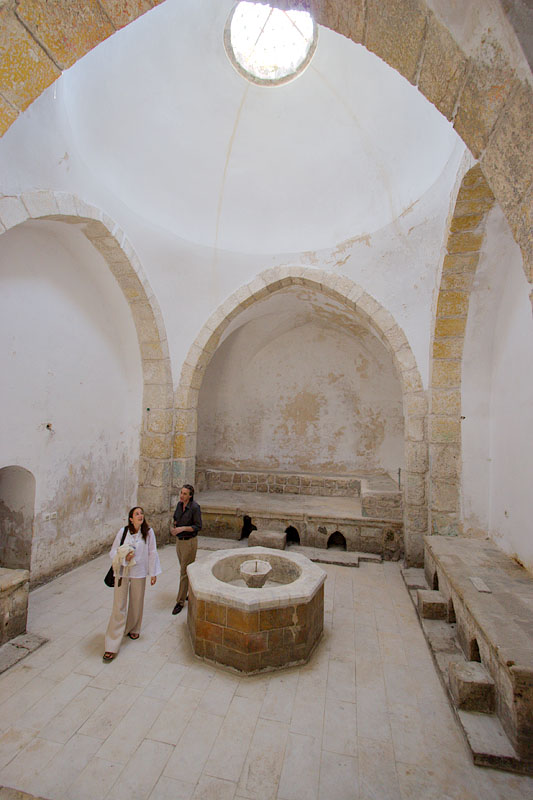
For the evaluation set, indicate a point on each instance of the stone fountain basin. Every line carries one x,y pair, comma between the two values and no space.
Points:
255,572
250,629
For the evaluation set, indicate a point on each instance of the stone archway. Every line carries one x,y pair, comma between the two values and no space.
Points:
383,325
112,244
474,201
482,92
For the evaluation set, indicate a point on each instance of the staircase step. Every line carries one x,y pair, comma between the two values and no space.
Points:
471,686
431,604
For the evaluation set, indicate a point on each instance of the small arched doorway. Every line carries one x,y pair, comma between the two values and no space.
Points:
336,541
17,506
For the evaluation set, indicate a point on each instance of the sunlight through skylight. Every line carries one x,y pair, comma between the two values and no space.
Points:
270,45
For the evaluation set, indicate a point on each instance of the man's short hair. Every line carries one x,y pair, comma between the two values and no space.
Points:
190,489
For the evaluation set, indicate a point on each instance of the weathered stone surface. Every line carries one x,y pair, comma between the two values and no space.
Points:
431,604
25,69
444,495
159,421
395,32
122,12
443,68
446,374
184,445
508,159
467,242
448,348
416,454
274,539
8,115
466,222
444,430
415,489
452,304
520,218
446,402
445,460
66,30
450,327
460,262
488,83
156,445
457,281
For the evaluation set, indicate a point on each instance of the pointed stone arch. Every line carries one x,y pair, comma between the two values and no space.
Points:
123,262
381,322
481,93
465,239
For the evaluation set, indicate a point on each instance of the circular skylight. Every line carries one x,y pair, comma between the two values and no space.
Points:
267,45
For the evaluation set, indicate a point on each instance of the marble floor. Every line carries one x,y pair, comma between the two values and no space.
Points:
366,719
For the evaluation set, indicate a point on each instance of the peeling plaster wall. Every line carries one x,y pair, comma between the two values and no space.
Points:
497,394
71,359
289,392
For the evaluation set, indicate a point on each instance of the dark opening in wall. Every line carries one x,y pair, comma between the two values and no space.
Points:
337,541
435,586
474,651
247,527
451,611
293,537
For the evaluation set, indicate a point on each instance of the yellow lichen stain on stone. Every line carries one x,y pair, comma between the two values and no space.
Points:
371,432
361,367
300,413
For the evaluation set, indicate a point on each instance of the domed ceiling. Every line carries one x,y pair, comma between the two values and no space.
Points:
161,117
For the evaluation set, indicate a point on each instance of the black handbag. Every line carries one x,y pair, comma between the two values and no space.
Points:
109,579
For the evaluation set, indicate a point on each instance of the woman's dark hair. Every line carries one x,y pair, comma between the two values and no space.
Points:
190,488
144,527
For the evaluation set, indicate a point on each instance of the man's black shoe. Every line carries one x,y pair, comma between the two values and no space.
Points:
177,608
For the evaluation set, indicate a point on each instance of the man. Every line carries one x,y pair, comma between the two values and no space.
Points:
187,523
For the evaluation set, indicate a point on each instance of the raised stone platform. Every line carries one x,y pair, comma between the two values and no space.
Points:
315,518
482,644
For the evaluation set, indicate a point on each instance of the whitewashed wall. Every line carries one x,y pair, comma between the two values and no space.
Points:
70,359
497,470
290,391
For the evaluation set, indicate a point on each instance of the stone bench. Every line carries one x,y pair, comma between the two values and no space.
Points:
490,597
277,540
14,591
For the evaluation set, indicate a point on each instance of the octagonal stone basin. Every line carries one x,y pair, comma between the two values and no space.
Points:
255,629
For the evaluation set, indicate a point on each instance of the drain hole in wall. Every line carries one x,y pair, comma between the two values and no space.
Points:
293,537
336,541
247,527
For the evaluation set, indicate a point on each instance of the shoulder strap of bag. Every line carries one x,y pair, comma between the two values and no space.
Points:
124,532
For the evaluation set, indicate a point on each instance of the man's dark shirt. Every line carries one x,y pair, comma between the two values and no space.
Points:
190,517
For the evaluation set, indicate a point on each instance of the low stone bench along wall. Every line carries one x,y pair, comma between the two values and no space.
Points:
489,598
277,483
14,592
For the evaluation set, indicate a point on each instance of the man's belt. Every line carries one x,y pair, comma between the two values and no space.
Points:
185,536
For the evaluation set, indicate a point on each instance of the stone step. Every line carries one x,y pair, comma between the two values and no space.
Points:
274,539
414,578
431,604
471,686
488,742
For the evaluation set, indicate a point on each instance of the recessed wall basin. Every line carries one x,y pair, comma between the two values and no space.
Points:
255,629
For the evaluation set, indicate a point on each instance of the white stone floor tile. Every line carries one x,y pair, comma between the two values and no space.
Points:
366,719
142,772
95,781
262,769
210,788
229,751
338,777
301,768
188,759
170,789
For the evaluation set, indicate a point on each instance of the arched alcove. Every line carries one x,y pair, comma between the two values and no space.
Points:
17,507
348,298
90,378
337,541
301,385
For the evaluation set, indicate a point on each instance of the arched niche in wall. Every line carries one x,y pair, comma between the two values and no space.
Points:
301,386
17,506
90,396
357,308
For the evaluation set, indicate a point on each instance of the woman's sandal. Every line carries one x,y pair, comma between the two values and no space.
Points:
108,656
134,636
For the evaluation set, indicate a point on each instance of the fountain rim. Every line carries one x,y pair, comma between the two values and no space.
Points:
207,587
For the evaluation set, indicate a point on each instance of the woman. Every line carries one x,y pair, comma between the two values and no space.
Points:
141,538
